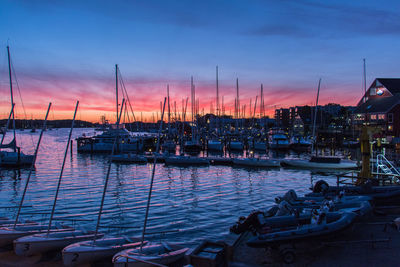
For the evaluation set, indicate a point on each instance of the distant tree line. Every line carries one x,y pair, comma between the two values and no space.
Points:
28,124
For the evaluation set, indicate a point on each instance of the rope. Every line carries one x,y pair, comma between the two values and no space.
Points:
20,97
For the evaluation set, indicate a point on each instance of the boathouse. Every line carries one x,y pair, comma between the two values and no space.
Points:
380,107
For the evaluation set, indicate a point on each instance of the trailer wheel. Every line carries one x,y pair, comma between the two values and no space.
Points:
288,256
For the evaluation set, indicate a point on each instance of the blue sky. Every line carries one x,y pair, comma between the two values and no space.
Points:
64,50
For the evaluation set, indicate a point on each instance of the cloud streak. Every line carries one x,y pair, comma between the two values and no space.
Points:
97,95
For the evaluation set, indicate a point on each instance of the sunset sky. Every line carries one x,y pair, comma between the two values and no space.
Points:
63,51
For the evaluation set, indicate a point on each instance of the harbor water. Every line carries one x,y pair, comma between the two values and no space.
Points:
188,204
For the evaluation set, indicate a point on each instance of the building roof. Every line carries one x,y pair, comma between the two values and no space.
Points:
379,105
392,84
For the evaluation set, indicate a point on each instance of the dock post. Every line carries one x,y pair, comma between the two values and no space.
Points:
19,155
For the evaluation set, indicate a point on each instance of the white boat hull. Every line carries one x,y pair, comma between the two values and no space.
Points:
186,161
39,243
257,162
89,251
134,257
129,158
107,147
299,163
9,234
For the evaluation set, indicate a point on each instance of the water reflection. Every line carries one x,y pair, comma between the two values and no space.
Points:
188,204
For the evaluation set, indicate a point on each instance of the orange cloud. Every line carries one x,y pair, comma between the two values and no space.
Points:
97,96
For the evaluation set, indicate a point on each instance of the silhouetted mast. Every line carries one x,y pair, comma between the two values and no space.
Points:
116,87
11,92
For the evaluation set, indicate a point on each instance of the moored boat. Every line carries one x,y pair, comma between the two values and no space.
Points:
256,162
186,160
39,243
298,142
192,146
381,195
260,145
277,139
96,250
325,224
236,145
321,163
214,145
129,158
103,142
9,234
159,253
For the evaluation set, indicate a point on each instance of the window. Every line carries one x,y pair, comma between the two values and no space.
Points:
373,117
381,116
390,117
372,91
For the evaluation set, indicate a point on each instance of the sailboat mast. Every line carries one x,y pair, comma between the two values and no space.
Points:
237,98
262,101
62,169
116,88
315,117
217,100
152,177
169,112
107,178
11,90
365,82
32,167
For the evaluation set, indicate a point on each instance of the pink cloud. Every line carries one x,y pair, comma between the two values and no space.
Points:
96,94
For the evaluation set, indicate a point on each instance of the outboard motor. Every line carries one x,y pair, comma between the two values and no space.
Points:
251,223
321,187
290,196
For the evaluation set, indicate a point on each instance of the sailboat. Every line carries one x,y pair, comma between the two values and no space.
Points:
102,143
259,141
152,252
98,249
43,242
320,162
19,228
215,143
235,143
193,145
169,144
14,158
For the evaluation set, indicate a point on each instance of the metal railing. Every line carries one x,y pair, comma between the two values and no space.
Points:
384,167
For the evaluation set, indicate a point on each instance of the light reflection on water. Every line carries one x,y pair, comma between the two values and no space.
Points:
187,205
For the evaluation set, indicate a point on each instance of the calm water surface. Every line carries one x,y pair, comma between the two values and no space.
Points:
188,204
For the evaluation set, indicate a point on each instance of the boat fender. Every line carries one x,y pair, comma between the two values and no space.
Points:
320,187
